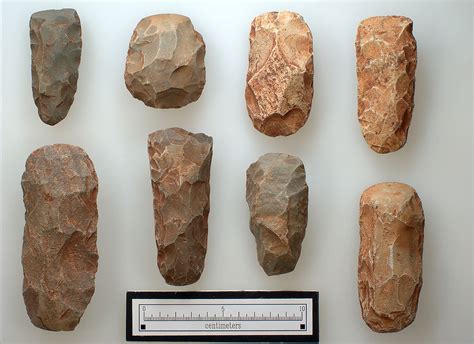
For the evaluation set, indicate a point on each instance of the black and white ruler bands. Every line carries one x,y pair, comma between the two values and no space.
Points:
223,316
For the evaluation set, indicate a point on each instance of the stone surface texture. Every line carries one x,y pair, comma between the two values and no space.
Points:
390,256
279,87
165,62
180,164
277,195
55,56
59,243
386,63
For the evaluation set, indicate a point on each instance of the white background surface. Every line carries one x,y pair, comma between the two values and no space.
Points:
112,127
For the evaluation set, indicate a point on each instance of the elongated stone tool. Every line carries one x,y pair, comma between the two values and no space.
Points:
59,244
56,46
180,164
386,63
390,255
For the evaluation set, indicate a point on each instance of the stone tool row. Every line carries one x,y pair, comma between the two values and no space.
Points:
60,255
165,68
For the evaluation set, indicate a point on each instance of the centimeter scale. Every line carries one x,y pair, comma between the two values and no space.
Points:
223,316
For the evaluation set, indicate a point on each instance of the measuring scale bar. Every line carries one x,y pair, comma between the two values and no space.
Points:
251,315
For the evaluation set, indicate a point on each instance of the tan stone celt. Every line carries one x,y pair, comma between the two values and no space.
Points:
390,255
279,88
386,62
165,62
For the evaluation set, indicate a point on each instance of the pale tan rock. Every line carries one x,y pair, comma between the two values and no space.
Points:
165,62
386,63
390,255
279,87
59,244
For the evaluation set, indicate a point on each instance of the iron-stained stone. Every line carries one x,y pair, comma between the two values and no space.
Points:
59,243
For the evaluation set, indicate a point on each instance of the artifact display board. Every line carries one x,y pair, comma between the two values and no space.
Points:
184,145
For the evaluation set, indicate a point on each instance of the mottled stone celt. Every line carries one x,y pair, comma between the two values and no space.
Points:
279,88
277,195
59,244
180,164
55,56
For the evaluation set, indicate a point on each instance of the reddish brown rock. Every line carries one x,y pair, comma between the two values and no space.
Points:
390,256
277,195
279,88
59,243
180,164
386,63
165,62
56,46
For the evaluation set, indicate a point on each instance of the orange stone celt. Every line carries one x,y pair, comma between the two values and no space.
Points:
279,88
390,255
386,63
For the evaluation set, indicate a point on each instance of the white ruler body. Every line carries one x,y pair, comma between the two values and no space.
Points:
217,317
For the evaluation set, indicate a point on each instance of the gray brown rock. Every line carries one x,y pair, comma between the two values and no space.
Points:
277,195
55,56
386,63
390,256
180,164
165,62
59,243
279,87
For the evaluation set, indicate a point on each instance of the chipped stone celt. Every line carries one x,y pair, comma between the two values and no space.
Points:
165,62
386,63
279,88
277,195
390,255
59,243
55,56
180,164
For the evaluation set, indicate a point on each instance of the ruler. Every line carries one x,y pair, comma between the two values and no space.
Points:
222,316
